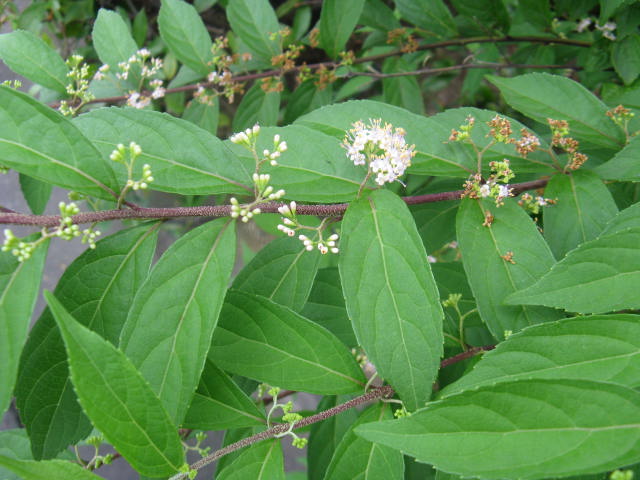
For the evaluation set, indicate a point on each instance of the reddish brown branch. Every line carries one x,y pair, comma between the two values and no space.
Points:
466,66
141,213
372,58
374,394
472,352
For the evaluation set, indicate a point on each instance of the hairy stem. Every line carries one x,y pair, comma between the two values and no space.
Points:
141,213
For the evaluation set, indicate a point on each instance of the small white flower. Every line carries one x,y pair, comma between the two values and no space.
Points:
583,24
485,190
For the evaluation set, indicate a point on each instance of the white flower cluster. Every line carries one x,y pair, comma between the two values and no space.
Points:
607,28
383,147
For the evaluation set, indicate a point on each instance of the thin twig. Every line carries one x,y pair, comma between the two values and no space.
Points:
142,213
373,58
452,68
376,393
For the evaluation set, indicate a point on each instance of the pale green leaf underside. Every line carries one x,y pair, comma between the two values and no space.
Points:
28,55
96,289
169,327
599,276
579,427
118,400
19,286
602,348
47,470
185,34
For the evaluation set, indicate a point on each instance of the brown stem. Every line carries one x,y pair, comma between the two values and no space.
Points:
465,66
374,394
381,56
141,213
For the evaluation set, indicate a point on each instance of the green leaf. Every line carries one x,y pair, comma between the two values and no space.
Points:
140,27
36,193
491,14
257,106
283,272
314,168
183,158
46,470
584,207
14,444
112,38
28,55
169,327
357,458
265,341
431,15
337,21
325,306
306,98
97,289
261,461
626,219
19,286
118,400
219,404
185,34
402,91
254,21
325,436
599,276
624,166
203,115
609,351
436,223
378,15
541,96
493,278
579,427
390,294
625,57
41,143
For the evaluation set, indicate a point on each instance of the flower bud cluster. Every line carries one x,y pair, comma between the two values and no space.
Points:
66,230
465,130
620,116
20,249
247,138
278,148
127,156
383,148
495,187
288,417
500,129
143,183
15,84
533,204
560,139
78,88
290,225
